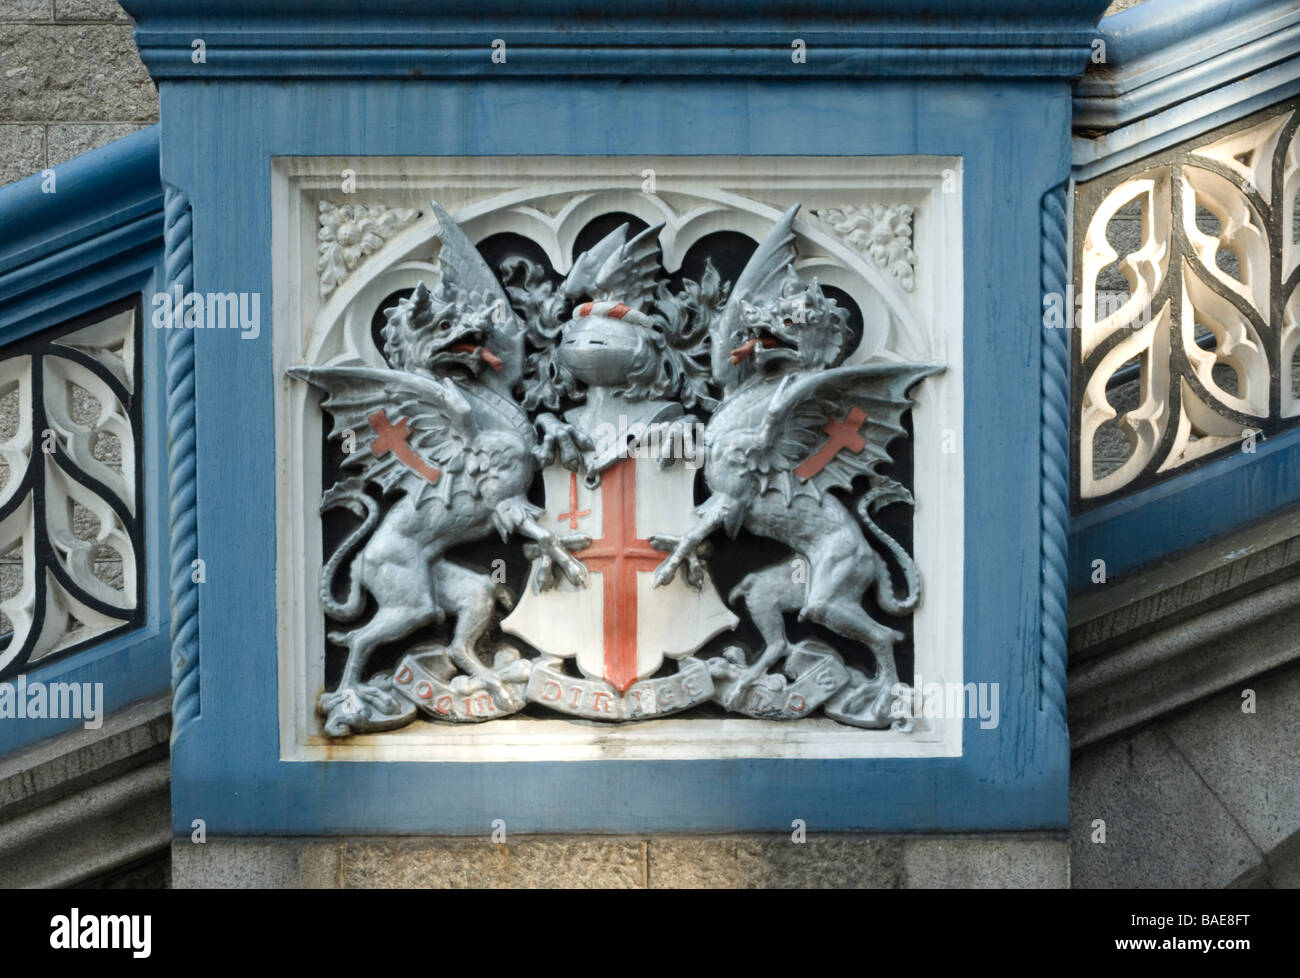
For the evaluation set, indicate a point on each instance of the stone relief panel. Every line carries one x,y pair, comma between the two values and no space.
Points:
642,462
1187,341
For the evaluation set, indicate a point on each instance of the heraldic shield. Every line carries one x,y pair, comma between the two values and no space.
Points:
619,629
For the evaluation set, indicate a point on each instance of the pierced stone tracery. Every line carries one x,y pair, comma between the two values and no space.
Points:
1188,323
69,502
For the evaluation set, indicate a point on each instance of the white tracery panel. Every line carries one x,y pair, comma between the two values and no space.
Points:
69,506
1187,328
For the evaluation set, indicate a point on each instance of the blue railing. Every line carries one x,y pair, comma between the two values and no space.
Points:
79,259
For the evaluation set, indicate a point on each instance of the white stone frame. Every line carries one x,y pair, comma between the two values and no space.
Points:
548,199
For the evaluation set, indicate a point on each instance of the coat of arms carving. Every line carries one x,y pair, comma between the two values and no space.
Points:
617,494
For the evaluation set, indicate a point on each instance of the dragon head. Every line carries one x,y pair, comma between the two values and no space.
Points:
799,328
440,335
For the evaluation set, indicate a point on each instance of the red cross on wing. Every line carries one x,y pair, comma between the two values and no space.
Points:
823,429
422,430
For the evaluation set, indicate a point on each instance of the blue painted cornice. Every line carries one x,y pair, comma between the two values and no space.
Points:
95,237
659,38
1165,52
98,192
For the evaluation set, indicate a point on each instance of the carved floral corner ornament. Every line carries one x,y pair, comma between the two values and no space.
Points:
882,232
350,233
611,387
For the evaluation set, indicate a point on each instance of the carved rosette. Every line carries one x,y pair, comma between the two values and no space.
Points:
350,233
882,232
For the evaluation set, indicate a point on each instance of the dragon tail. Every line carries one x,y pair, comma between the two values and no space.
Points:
880,494
349,495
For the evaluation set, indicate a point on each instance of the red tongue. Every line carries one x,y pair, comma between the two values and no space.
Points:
486,355
745,349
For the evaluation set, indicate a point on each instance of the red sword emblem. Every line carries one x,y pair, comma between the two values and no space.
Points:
574,514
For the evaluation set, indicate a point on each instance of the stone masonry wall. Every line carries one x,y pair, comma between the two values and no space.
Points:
71,80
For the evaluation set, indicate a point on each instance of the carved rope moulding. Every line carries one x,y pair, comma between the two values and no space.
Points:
619,457
1187,320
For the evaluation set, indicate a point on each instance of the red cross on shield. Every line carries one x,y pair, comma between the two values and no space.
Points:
620,627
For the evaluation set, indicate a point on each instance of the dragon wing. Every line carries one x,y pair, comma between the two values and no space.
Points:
616,268
385,409
465,273
762,278
824,429
628,274
581,280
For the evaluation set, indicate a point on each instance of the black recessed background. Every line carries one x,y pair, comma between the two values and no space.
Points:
597,228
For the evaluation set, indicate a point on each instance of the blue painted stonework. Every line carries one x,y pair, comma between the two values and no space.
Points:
96,239
1174,69
988,82
1185,511
344,39
1012,132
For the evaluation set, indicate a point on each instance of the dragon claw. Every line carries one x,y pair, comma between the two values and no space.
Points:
362,708
553,554
695,572
574,571
562,439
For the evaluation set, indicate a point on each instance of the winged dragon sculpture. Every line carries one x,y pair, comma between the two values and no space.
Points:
771,470
459,454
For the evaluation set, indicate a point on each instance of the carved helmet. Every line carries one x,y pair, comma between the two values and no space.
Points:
610,342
